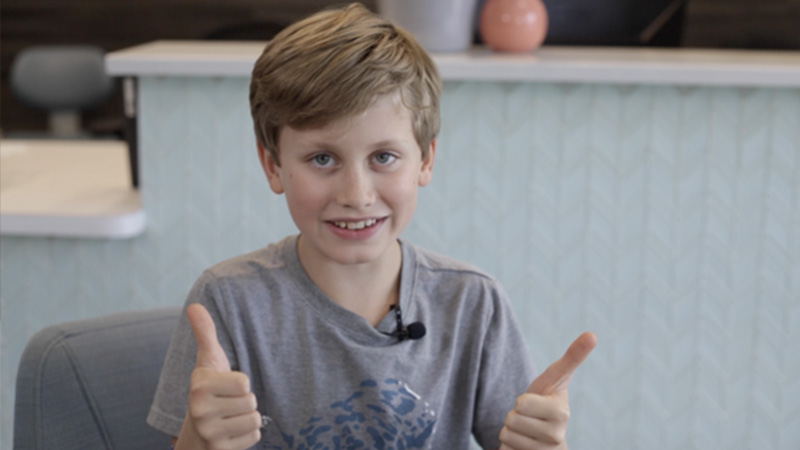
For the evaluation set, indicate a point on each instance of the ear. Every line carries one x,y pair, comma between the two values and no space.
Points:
426,168
271,168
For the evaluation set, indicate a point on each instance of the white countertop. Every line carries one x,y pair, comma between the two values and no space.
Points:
549,63
68,188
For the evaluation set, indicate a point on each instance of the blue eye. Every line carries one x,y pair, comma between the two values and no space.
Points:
384,158
322,160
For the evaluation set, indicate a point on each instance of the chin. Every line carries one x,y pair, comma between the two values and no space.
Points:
359,253
356,257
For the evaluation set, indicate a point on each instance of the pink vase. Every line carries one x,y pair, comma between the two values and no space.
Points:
513,25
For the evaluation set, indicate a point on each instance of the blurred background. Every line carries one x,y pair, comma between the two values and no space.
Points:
742,24
683,239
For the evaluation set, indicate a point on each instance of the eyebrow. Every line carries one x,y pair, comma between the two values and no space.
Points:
322,144
387,143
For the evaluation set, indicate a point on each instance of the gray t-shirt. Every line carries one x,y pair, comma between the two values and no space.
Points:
328,379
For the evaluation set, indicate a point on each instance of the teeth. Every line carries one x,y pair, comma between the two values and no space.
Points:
356,225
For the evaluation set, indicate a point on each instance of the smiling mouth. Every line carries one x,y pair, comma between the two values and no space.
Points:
359,225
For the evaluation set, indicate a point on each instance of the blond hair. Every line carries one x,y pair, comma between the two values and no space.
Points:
336,64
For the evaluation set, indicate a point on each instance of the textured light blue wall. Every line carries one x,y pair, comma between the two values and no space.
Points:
667,220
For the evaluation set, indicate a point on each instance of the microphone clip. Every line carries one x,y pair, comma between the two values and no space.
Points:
414,330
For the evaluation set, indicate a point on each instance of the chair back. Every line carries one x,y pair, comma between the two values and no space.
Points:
89,384
62,80
60,77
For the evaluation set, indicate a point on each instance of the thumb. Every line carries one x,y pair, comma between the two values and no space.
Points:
559,374
209,353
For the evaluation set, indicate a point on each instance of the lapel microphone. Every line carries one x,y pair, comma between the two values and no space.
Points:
413,331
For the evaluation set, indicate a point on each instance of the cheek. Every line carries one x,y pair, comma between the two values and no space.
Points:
302,196
403,192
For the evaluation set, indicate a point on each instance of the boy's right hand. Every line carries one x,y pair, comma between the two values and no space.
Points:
222,411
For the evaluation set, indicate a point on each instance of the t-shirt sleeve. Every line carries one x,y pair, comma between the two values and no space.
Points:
171,400
506,371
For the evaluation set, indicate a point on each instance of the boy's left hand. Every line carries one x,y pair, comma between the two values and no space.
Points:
539,420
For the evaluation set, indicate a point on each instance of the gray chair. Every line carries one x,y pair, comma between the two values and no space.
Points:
89,384
63,80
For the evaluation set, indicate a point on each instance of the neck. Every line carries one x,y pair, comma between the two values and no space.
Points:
367,289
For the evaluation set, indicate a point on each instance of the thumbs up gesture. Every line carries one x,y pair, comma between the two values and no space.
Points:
222,410
539,420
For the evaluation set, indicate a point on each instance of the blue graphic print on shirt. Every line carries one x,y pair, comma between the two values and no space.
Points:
382,416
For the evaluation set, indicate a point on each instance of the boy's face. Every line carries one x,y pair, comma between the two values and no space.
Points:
351,186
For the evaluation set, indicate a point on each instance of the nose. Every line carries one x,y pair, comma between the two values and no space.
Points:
356,188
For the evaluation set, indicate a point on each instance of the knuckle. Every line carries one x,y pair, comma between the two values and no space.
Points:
253,402
512,420
242,382
255,436
521,401
206,434
525,402
198,388
202,384
256,420
225,444
197,410
554,436
559,412
509,418
563,414
504,435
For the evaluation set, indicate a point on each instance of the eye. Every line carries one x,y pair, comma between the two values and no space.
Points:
384,158
322,160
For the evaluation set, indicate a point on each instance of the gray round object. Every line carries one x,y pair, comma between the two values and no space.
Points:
60,77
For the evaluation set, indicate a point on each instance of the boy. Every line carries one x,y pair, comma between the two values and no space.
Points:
346,336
